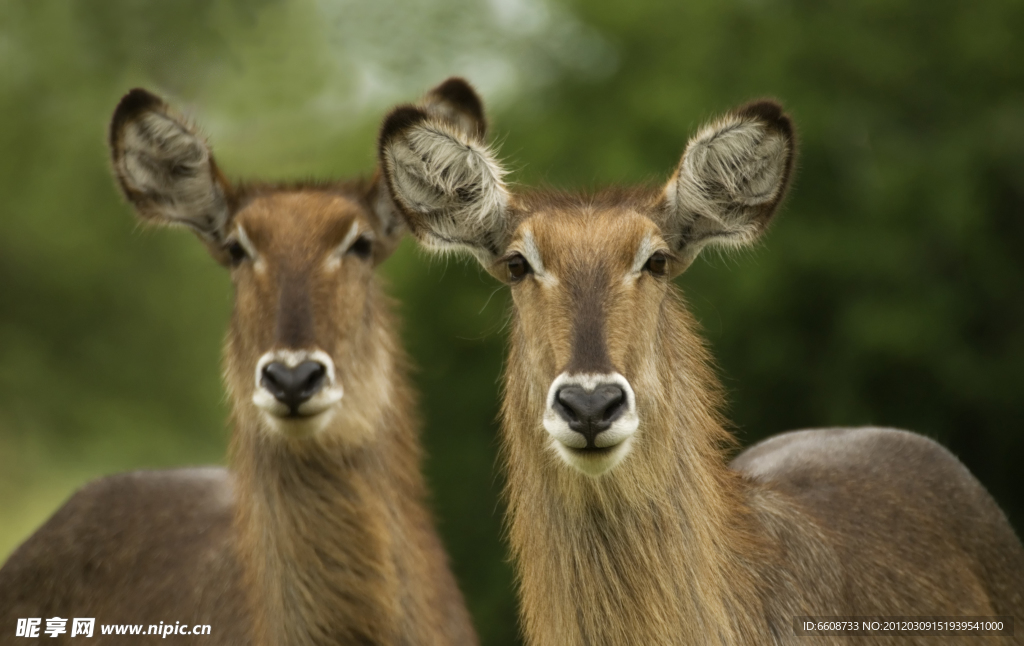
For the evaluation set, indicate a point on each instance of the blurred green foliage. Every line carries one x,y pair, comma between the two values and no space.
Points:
890,291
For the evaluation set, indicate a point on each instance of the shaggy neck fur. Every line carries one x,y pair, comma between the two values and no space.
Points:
329,533
649,553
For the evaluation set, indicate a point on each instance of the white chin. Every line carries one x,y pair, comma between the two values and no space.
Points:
313,416
300,425
593,462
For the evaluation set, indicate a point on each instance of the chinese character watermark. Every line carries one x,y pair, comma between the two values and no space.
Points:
28,627
56,626
83,627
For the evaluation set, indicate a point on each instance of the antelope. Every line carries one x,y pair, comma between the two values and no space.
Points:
319,533
628,524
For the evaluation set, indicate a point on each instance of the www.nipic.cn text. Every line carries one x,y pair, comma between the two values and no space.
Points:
86,627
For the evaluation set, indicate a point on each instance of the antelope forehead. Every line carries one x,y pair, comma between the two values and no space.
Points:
577,253
277,207
302,230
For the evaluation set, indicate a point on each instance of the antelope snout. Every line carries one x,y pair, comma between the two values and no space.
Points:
295,385
591,420
590,412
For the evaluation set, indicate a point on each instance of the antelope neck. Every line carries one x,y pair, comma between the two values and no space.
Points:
316,519
646,552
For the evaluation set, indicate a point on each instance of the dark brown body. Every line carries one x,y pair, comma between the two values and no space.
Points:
892,524
320,533
135,548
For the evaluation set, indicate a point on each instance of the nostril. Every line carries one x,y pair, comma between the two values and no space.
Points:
564,404
310,377
612,400
590,411
276,378
294,386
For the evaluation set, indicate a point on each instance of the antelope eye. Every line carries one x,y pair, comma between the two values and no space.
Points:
237,253
517,268
361,248
657,264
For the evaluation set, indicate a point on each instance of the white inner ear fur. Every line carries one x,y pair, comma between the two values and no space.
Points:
163,159
454,182
729,167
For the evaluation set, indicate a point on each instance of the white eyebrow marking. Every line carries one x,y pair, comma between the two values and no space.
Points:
350,237
532,255
243,239
250,248
334,260
643,253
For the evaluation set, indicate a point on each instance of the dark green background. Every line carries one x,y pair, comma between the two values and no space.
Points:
889,291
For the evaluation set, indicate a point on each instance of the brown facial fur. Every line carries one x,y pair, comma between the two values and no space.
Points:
380,577
318,534
577,313
599,318
673,545
304,293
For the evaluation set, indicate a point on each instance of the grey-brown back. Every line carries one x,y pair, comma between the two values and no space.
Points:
135,548
907,527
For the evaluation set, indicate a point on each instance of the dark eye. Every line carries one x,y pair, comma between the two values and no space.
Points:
237,252
362,247
657,264
517,268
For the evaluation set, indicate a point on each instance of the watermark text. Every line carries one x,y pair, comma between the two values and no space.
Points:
86,627
903,626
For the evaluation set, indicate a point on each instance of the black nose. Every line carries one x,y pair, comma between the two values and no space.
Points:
590,412
294,386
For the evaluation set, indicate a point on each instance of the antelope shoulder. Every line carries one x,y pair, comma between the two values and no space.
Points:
896,504
139,548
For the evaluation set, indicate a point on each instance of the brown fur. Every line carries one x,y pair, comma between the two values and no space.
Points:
673,545
319,534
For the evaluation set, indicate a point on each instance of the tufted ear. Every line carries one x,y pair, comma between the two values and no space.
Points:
453,102
165,169
442,176
730,181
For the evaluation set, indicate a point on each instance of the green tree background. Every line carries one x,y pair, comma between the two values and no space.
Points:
889,292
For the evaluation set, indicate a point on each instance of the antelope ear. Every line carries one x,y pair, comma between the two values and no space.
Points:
457,101
165,169
446,182
730,181
454,101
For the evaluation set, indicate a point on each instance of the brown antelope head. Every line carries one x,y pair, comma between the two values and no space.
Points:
303,350
591,275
